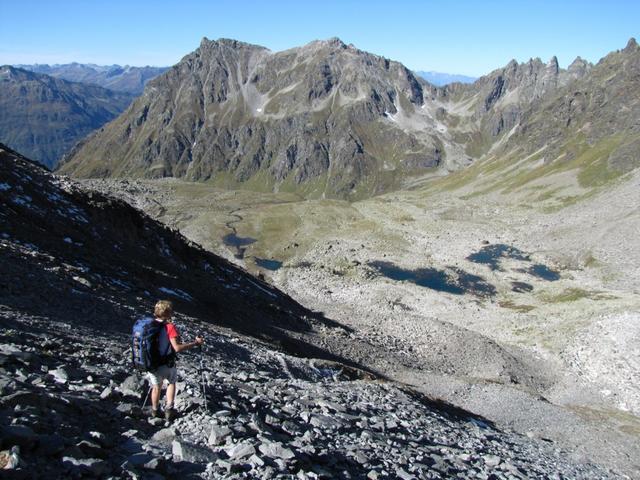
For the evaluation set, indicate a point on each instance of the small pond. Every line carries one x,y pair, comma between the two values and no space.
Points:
491,255
544,272
268,264
452,280
233,240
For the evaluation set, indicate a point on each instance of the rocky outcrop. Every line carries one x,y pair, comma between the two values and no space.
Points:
91,254
497,101
594,117
44,116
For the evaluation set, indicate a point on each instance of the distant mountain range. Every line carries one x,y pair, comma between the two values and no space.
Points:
441,79
43,117
114,77
329,120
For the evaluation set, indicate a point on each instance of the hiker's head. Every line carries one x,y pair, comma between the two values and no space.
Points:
163,309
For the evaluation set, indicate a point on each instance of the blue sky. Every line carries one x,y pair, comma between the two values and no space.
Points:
463,37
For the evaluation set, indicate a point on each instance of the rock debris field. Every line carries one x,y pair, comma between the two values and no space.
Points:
73,407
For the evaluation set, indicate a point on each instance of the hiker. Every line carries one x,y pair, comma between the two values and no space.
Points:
163,312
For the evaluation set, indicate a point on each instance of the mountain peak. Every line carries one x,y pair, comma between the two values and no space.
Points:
350,92
11,72
578,64
6,69
336,42
513,63
225,42
632,45
333,43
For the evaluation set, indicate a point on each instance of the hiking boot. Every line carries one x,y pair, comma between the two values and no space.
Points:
155,413
169,414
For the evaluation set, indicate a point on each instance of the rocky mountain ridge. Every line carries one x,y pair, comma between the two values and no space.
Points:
44,116
322,120
568,145
320,117
119,78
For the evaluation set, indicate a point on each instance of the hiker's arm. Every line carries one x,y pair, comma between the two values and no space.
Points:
178,347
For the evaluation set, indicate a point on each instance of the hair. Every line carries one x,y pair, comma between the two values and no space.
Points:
163,309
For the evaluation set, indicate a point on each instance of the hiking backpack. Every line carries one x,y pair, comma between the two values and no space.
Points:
150,346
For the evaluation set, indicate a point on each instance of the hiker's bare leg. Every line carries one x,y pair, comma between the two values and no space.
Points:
155,397
171,394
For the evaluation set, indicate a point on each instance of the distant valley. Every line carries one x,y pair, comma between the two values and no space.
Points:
46,109
43,117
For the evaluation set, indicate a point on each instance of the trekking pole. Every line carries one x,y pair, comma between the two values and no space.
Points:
202,379
147,397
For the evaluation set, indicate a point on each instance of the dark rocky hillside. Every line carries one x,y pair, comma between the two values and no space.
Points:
86,250
125,79
78,267
44,116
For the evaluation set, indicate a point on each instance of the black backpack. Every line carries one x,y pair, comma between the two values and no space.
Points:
150,346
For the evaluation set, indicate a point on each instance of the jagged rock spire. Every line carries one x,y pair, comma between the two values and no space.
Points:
631,45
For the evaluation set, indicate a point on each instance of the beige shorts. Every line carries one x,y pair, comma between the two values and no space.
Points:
157,377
